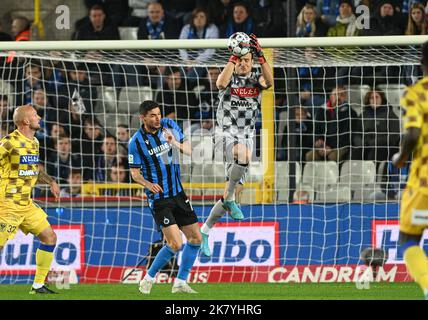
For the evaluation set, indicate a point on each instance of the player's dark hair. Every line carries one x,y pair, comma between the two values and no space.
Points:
424,59
148,105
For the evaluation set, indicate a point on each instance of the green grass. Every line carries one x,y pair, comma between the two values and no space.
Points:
225,291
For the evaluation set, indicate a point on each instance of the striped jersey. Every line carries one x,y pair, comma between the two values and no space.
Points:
158,161
19,167
239,105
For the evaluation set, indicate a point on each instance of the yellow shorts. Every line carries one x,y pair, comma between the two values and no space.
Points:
30,219
411,202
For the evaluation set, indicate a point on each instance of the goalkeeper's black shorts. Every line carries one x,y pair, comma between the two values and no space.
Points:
175,210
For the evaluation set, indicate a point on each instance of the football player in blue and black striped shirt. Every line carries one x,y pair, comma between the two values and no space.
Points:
153,159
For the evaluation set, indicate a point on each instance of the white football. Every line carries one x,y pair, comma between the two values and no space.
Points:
239,44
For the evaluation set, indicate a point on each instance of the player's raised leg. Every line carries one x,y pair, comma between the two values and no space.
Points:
216,213
172,246
190,252
44,258
242,156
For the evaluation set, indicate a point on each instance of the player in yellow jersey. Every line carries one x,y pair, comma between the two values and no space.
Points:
414,203
19,172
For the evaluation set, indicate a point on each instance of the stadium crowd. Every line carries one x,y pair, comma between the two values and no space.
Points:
319,122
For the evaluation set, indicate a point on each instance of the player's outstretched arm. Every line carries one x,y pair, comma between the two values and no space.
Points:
266,80
45,178
138,178
409,142
226,74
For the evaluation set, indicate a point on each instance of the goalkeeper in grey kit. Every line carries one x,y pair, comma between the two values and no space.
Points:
239,103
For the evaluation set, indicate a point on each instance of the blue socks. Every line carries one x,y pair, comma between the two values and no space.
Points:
190,252
162,258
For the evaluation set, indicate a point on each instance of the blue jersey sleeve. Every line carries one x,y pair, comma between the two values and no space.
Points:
175,129
134,158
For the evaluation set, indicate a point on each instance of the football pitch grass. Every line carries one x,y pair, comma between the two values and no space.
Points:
225,291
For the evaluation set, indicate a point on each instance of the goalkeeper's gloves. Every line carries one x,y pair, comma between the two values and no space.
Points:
257,48
234,59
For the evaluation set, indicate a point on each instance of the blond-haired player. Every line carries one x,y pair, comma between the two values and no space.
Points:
19,172
414,203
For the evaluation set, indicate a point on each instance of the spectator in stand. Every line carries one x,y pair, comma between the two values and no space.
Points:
386,21
381,128
79,88
3,35
269,17
180,9
122,136
333,127
60,162
32,82
98,28
309,24
107,159
200,27
417,21
219,10
240,21
6,115
90,145
43,107
158,25
72,120
21,29
74,188
118,174
328,11
300,138
4,130
346,22
139,11
176,102
116,10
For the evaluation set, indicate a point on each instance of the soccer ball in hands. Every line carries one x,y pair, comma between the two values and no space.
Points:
239,44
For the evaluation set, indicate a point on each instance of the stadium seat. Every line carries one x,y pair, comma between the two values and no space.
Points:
393,93
356,94
397,111
320,173
202,150
128,33
334,194
185,172
7,89
130,99
357,173
135,123
369,193
255,172
283,176
303,194
107,101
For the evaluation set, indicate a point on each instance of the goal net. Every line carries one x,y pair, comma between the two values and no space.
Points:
320,188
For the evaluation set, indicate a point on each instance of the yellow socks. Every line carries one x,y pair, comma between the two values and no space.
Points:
44,257
417,264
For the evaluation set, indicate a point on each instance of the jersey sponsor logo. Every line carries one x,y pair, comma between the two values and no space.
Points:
246,92
242,244
159,150
19,254
29,159
240,103
26,173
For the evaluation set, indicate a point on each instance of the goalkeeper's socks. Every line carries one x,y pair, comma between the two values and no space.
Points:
236,172
190,252
205,229
162,258
44,257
